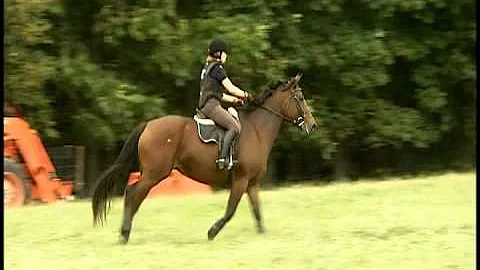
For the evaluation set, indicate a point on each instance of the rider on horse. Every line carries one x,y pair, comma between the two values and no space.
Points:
215,86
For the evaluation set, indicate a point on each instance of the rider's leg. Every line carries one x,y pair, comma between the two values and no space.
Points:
230,137
222,117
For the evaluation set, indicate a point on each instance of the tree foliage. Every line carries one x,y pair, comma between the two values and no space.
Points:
392,74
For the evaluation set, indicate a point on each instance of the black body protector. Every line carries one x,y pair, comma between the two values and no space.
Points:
209,87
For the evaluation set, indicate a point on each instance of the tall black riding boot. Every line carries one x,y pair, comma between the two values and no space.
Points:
229,138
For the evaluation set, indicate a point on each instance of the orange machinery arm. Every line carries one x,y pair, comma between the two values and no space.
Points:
33,153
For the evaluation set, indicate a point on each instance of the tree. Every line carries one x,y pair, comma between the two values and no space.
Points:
27,64
383,77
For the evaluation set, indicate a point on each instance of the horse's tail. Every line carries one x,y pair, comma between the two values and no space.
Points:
126,162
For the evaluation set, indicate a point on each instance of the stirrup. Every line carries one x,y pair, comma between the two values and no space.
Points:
231,164
221,162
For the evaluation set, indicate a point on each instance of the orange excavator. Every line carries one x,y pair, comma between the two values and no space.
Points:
28,172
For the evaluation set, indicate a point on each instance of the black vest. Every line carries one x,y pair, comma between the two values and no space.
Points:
209,87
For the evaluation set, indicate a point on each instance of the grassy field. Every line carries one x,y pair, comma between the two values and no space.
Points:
423,223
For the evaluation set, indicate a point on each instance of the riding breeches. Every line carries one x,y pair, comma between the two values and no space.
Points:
220,116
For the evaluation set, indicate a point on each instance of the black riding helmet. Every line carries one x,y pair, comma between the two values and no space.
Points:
217,45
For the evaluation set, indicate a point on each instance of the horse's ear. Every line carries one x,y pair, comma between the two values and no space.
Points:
298,77
291,83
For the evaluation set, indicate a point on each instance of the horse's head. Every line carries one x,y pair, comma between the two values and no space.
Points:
291,104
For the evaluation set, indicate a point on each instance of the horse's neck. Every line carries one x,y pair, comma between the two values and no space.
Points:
267,126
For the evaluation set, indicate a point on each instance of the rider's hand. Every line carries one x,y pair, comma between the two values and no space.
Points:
248,97
239,102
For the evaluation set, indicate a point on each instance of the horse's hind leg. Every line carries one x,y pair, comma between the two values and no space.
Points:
134,196
238,188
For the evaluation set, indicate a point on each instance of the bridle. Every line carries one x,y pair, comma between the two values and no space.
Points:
298,121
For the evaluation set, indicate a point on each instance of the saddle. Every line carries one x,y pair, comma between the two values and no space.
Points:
211,133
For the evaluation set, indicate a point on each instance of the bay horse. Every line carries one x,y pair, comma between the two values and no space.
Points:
162,144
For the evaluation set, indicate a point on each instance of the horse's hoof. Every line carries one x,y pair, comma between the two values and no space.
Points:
124,236
122,240
261,230
211,235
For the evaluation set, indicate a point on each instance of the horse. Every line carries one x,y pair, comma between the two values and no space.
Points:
162,144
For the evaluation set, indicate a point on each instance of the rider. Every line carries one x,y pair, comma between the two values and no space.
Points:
215,86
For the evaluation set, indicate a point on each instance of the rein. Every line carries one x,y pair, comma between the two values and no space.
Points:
299,121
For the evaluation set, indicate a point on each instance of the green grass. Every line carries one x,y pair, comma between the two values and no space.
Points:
425,223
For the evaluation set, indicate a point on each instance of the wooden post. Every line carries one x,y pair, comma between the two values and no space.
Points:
80,187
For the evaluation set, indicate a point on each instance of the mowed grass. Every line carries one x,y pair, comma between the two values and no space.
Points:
423,223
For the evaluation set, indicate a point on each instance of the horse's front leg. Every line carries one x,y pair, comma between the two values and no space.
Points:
239,185
252,192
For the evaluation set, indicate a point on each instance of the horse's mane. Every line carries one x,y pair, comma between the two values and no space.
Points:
262,96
